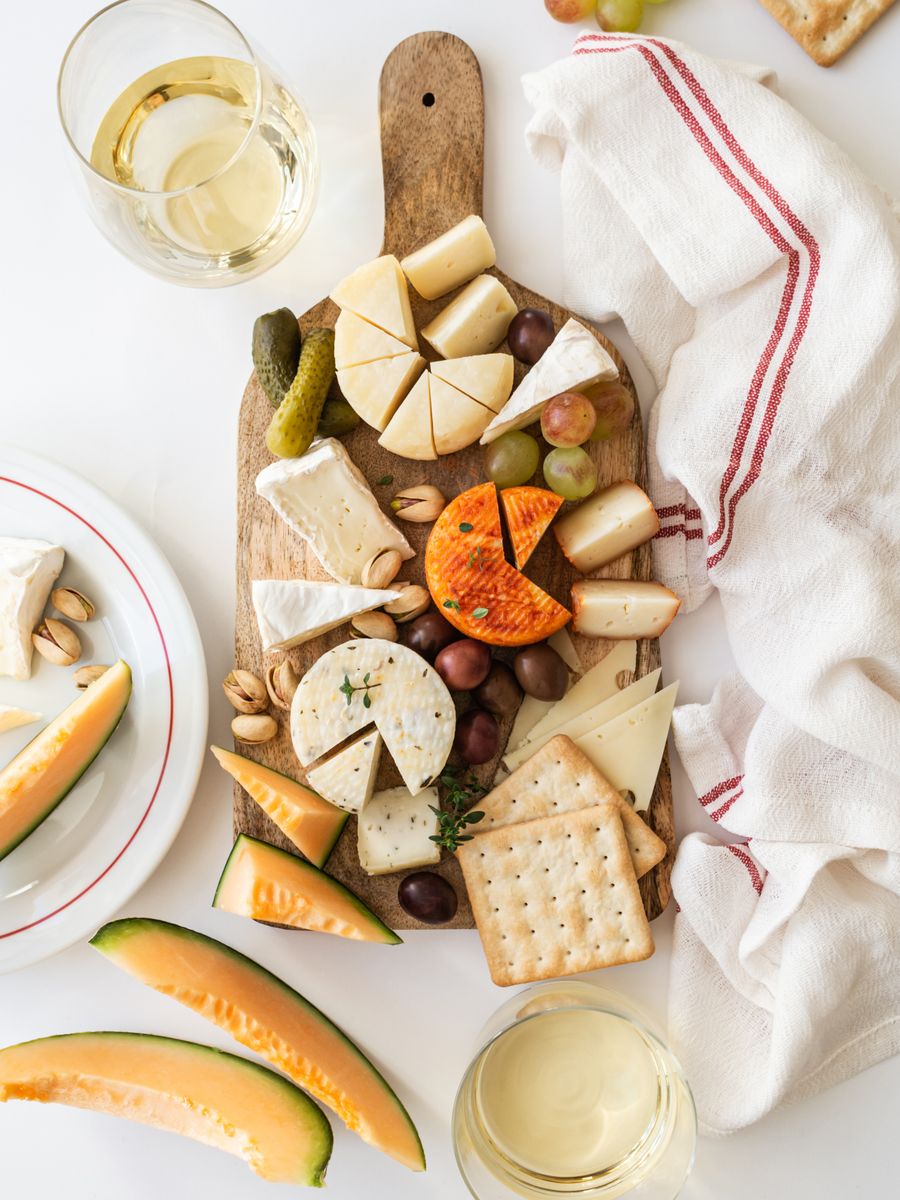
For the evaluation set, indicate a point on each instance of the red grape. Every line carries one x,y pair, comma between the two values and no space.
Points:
568,419
530,333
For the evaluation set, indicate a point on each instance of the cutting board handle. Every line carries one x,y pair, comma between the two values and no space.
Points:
432,138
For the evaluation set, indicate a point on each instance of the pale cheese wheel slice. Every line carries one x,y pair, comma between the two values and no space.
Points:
409,432
377,292
487,378
347,779
457,419
357,341
374,390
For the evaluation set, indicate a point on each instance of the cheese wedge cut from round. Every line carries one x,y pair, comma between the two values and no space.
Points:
291,611
457,419
472,584
374,390
348,777
377,292
528,512
357,341
487,378
409,433
371,681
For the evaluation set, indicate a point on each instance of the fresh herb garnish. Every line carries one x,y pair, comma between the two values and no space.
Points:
476,559
453,818
452,604
348,689
385,480
465,527
479,613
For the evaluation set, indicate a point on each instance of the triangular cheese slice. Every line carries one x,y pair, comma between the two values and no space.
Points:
595,686
487,378
374,390
528,512
377,292
565,648
409,431
456,418
357,341
347,779
628,750
291,611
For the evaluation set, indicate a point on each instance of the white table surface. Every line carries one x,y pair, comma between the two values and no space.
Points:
139,391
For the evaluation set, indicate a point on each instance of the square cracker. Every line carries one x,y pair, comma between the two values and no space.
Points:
826,29
555,896
560,779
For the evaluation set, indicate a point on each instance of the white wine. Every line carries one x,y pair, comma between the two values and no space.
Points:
233,168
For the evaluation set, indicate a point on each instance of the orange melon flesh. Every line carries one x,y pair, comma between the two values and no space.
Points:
311,823
201,1093
45,771
261,1012
268,884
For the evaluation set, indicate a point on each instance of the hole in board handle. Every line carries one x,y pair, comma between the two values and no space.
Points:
428,99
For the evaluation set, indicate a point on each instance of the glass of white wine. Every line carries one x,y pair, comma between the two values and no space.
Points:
198,163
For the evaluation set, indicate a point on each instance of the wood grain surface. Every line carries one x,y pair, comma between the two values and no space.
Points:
432,137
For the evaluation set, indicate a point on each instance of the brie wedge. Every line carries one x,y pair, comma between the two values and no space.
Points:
487,378
348,777
377,292
291,611
475,322
324,498
13,718
28,569
395,831
574,360
357,341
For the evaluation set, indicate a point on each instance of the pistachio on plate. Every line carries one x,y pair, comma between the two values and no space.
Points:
72,604
381,569
421,504
254,728
374,625
56,642
411,603
245,692
281,683
85,676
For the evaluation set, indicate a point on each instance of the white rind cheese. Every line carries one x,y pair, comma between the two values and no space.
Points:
475,322
13,718
487,378
622,608
408,703
610,523
325,499
291,611
395,831
574,360
347,779
409,433
628,750
28,569
377,292
357,341
456,256
375,389
457,420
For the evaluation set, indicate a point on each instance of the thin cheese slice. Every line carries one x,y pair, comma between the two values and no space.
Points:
598,715
475,322
374,390
395,831
457,419
487,378
291,611
409,432
377,292
628,750
530,712
357,341
597,685
451,259
565,648
347,779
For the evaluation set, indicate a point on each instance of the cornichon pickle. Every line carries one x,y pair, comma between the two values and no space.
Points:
337,418
293,426
276,352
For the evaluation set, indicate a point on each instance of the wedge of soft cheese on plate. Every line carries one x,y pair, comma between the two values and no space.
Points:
28,569
622,608
357,341
574,360
608,524
291,611
395,831
475,322
14,718
347,779
456,256
375,390
409,432
373,682
325,499
457,419
487,378
377,292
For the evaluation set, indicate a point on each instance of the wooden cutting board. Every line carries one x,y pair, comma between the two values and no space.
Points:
432,142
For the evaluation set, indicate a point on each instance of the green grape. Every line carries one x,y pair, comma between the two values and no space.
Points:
569,472
512,459
619,16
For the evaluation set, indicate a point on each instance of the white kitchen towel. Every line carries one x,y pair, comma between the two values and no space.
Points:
758,273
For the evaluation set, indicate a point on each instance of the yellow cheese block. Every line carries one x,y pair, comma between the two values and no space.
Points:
457,255
409,431
377,292
457,419
375,389
357,341
487,378
475,322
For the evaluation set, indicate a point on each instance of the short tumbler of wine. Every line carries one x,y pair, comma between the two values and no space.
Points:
197,162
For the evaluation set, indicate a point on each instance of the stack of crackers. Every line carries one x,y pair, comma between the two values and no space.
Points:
553,868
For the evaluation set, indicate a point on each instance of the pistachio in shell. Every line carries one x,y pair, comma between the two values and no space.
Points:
421,504
85,676
411,603
374,625
56,642
245,692
381,569
72,604
254,728
281,683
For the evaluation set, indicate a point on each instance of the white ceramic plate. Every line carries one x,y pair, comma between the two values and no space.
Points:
115,826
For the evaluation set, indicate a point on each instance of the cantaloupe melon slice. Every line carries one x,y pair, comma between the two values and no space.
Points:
268,884
261,1012
216,1098
45,771
312,824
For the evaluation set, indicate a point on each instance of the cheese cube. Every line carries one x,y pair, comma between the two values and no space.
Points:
409,431
28,569
377,292
375,389
395,831
357,341
475,322
611,522
454,257
622,608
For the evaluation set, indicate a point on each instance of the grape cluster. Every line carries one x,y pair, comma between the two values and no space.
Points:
614,16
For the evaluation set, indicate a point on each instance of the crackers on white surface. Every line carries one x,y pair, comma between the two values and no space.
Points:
826,29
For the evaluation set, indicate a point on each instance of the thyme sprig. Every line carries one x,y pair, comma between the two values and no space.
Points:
348,689
453,817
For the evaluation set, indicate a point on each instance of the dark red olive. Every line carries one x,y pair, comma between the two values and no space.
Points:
428,898
477,736
464,664
500,694
530,333
429,634
541,672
